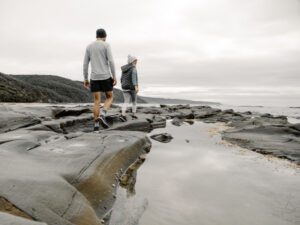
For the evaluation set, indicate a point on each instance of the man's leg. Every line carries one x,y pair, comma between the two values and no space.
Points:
97,100
109,99
107,103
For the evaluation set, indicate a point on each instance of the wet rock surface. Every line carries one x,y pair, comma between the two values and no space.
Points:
57,171
59,112
54,169
8,219
263,133
67,181
282,141
164,137
177,122
11,120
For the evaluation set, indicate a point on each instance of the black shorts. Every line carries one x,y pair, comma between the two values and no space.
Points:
101,85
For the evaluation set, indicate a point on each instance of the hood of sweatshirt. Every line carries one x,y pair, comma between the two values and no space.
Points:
126,67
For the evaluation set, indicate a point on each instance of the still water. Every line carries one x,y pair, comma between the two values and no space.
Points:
199,179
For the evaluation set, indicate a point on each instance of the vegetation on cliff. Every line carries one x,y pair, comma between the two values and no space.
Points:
47,89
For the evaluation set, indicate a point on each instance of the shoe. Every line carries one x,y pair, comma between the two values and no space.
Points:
134,117
123,118
103,121
96,125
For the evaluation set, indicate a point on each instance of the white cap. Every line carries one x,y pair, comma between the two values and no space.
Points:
131,59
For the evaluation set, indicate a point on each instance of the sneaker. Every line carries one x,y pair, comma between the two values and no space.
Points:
134,117
103,121
96,125
123,118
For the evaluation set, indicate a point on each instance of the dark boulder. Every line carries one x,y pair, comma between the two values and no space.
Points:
259,121
164,137
158,122
206,112
151,110
59,112
177,122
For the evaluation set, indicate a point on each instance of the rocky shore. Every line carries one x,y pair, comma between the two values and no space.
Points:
265,133
55,170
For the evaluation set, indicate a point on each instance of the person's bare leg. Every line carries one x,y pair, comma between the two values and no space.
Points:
97,100
109,99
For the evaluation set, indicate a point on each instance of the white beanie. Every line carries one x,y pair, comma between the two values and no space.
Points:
131,59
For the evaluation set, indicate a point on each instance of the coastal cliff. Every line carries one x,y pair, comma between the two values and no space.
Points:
47,89
56,89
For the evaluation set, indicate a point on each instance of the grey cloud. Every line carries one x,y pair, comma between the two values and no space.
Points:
226,45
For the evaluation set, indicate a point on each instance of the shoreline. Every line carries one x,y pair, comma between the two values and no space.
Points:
31,134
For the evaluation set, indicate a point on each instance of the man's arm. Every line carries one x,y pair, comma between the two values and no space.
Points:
111,62
86,62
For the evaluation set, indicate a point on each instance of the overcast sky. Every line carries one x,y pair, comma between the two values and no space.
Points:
233,51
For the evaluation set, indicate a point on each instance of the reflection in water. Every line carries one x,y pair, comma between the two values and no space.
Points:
198,179
194,180
128,180
129,206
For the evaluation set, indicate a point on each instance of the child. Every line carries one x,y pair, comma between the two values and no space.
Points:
129,83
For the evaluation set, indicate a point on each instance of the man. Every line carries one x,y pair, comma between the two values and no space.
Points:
103,75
